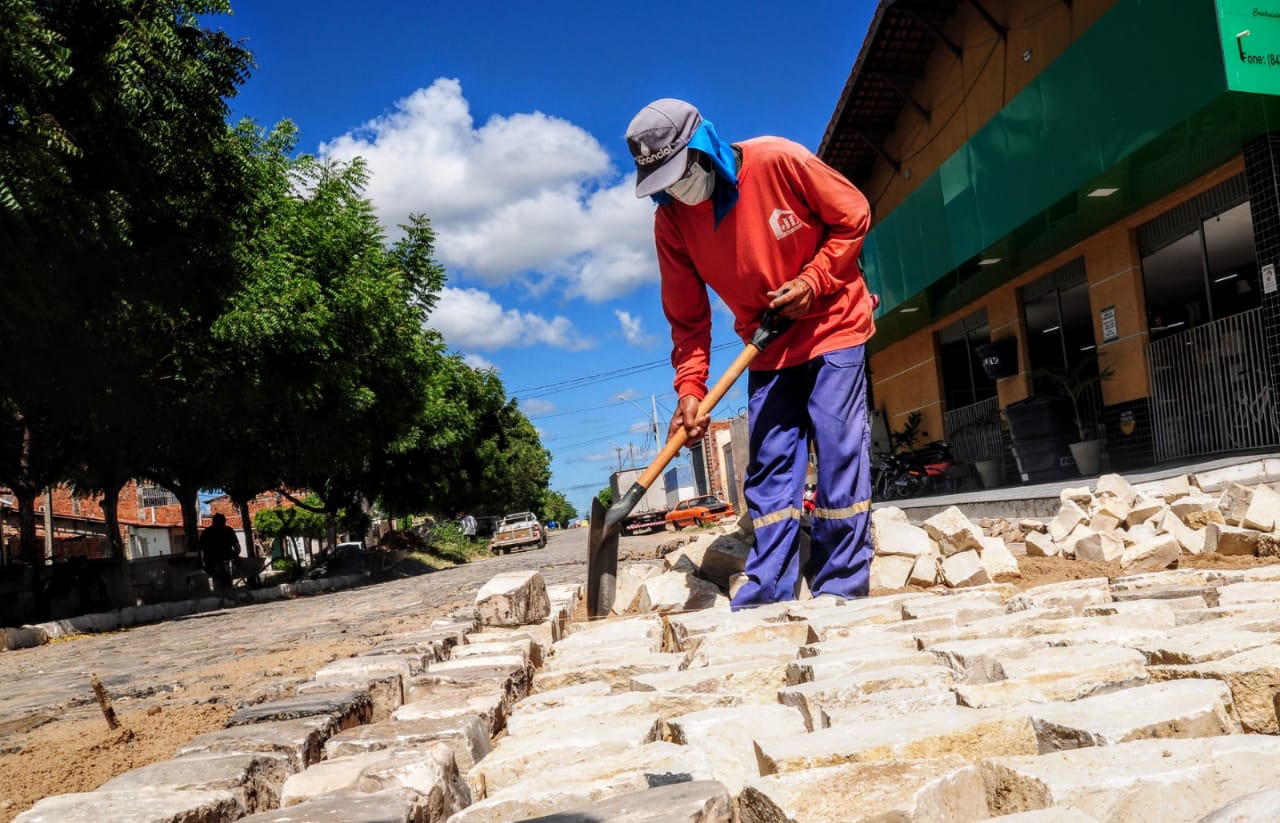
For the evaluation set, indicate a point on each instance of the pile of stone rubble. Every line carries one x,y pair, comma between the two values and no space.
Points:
1149,697
1143,528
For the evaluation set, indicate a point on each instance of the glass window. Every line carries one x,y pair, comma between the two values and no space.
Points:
963,379
1205,275
1233,262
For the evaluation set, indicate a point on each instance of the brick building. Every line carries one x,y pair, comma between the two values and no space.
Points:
150,520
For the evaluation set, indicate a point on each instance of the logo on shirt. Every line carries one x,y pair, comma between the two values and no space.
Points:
784,223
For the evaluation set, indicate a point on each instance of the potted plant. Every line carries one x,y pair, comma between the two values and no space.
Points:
990,468
1073,383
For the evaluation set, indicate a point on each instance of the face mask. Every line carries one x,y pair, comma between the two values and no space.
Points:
694,187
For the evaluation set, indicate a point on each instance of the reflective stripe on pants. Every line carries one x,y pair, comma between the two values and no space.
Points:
824,398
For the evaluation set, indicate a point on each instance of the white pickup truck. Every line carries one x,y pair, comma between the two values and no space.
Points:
516,530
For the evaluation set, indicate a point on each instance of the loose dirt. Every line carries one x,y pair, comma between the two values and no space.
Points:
74,751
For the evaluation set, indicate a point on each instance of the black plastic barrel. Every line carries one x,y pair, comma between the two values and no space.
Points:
1042,429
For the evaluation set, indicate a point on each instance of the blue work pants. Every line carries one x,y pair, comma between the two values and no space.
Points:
826,399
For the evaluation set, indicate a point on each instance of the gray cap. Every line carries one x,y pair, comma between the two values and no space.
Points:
659,140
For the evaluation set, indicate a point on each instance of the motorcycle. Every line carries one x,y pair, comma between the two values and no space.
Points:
924,471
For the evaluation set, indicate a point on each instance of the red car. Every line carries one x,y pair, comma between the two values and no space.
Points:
698,510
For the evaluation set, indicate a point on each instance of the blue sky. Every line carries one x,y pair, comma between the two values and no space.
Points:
504,123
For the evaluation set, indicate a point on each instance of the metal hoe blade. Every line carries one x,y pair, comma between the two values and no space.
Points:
602,561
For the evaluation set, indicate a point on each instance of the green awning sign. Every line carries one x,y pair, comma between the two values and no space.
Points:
1250,33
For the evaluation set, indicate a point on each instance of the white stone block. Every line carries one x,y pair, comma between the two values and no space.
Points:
893,537
996,557
1182,708
1116,487
933,733
908,791
676,592
1264,509
1150,556
1190,540
513,599
964,569
1069,516
1041,545
890,571
953,531
1167,780
1230,540
1103,547
727,737
1143,508
630,577
925,571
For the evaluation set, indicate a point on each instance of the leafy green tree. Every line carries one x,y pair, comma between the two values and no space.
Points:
328,331
116,172
555,506
605,496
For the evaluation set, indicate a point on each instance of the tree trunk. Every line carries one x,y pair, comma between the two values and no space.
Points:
189,499
115,543
246,525
111,514
30,549
331,529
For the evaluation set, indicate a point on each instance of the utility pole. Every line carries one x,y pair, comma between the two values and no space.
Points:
618,449
657,439
631,454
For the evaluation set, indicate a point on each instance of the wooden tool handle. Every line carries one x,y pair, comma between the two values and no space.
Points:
677,441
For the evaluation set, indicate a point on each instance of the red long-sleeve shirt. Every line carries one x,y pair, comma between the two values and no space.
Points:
795,217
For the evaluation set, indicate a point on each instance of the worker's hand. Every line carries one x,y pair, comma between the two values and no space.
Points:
686,417
793,297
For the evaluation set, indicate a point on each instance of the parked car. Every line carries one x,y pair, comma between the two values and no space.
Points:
517,530
698,510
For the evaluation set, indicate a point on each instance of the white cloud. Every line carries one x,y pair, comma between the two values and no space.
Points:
626,394
536,406
641,427
472,319
633,329
523,197
479,363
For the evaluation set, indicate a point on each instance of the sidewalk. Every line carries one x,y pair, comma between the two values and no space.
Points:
1041,500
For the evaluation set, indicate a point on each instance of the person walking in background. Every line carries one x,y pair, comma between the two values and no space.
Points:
468,526
218,547
765,224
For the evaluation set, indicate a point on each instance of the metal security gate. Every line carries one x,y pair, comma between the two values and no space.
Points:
973,431
1211,391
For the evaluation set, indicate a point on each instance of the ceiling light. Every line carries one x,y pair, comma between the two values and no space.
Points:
989,261
1102,192
1175,325
1227,277
1051,328
909,309
1088,348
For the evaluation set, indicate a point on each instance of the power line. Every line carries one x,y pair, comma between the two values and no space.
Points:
579,382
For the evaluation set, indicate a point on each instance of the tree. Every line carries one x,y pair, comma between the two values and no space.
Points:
328,331
605,496
116,172
555,506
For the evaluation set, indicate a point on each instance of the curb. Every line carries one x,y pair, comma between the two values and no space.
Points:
25,637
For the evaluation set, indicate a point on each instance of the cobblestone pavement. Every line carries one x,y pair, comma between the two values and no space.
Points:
1148,697
161,657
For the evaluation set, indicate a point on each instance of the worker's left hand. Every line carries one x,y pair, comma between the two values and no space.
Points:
793,298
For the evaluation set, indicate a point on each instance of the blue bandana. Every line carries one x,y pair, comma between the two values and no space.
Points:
723,162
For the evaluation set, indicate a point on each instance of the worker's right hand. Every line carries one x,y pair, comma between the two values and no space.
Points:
686,417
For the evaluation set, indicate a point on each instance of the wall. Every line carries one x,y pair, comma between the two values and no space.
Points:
963,93
905,376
